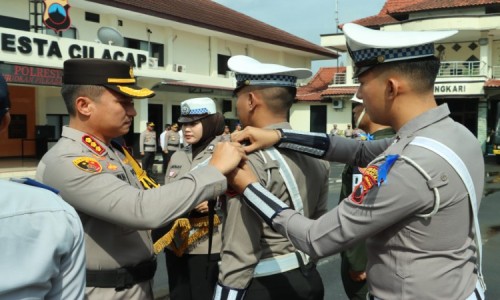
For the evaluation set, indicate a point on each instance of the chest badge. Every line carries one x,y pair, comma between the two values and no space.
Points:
112,167
88,164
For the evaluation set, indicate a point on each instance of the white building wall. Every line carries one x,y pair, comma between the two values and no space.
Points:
300,115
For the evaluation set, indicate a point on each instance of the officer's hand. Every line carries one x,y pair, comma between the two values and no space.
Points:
227,156
256,137
202,207
142,153
357,276
241,177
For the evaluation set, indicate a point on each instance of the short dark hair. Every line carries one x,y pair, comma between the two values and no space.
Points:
278,99
70,92
422,72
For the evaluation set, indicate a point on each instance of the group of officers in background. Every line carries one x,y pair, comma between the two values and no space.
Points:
258,200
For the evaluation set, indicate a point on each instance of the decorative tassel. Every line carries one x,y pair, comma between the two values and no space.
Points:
183,229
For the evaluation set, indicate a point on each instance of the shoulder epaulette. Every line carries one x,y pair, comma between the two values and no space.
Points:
93,144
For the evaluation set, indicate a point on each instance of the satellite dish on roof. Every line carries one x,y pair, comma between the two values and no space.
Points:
110,36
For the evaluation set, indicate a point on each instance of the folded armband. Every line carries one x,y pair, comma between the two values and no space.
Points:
227,293
263,202
310,143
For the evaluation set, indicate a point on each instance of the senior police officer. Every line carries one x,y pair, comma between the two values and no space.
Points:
256,261
417,202
101,181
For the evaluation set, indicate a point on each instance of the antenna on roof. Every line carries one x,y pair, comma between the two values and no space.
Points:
337,16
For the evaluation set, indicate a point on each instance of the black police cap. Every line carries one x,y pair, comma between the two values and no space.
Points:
113,74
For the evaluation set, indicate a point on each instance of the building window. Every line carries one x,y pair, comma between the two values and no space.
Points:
14,23
91,17
70,33
18,127
154,49
222,67
58,121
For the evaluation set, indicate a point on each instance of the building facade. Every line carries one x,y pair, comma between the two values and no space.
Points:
178,48
468,80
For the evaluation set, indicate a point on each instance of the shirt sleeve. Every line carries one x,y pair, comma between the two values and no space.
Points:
351,222
106,197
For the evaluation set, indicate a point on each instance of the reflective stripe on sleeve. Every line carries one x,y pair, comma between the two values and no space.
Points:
263,202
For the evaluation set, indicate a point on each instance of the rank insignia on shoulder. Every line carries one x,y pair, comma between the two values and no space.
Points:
93,144
368,181
88,164
211,147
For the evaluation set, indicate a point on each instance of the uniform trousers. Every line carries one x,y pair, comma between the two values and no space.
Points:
166,159
192,277
355,290
147,161
292,285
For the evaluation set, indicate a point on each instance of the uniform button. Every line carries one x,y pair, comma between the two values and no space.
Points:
444,177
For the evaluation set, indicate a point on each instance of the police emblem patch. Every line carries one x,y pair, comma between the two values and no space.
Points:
185,109
88,164
368,181
56,15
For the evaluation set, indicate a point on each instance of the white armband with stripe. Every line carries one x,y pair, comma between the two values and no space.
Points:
263,202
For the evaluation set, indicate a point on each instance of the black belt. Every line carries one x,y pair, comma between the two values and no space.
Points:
122,278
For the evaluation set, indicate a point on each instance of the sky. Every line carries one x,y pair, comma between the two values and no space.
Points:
306,18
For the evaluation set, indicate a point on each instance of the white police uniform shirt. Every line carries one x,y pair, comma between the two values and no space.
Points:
408,257
42,245
147,141
115,210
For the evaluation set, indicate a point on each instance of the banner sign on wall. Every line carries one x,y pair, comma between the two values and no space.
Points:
31,75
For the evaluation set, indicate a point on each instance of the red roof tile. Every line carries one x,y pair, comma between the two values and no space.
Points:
211,15
318,87
392,8
333,91
441,4
492,83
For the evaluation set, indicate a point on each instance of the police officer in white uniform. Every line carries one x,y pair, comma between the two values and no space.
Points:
42,247
147,147
417,203
257,262
99,180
